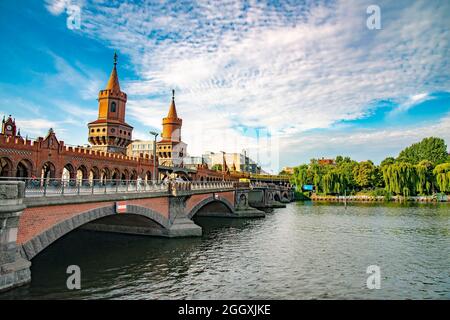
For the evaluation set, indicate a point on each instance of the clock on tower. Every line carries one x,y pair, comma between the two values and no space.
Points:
8,126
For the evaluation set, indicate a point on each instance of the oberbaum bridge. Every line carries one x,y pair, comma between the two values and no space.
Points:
48,189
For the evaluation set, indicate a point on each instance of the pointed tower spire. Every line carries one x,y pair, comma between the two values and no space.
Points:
113,82
172,109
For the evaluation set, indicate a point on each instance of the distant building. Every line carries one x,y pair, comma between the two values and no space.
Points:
324,161
192,162
288,170
138,147
237,162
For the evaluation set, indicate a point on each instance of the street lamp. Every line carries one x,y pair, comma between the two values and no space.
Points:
154,155
223,165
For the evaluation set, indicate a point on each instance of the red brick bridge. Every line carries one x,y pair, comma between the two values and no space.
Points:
32,217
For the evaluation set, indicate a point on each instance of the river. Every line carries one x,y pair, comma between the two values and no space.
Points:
305,251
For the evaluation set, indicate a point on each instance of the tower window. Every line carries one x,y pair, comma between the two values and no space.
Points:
113,106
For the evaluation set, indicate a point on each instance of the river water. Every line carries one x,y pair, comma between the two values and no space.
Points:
305,251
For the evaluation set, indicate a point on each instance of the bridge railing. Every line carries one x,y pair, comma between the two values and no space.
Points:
203,185
39,187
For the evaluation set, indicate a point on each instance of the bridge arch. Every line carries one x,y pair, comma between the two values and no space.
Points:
276,197
105,175
24,168
82,173
225,206
94,174
6,167
116,175
48,170
41,241
68,172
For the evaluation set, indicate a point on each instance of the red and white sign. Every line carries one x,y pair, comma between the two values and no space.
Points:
216,196
121,206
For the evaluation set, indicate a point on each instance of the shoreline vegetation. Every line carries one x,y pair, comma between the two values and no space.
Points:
420,173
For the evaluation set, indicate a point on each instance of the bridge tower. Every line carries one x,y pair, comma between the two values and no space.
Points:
110,132
171,150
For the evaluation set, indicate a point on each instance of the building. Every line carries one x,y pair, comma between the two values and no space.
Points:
138,147
288,170
324,161
110,132
171,150
192,162
238,162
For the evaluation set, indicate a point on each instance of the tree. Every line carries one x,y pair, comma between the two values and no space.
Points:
387,161
442,173
365,174
400,178
425,177
217,167
300,176
431,149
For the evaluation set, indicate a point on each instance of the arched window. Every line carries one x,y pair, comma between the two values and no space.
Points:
113,106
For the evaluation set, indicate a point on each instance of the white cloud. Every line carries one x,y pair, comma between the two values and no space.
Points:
288,69
375,144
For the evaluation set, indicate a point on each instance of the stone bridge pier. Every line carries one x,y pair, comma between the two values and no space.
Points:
14,269
267,197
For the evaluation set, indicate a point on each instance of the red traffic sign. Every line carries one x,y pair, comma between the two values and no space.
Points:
121,206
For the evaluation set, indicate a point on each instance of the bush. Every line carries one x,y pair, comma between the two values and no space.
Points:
302,196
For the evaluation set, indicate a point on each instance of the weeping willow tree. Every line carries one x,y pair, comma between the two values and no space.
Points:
335,181
400,178
442,174
425,177
300,176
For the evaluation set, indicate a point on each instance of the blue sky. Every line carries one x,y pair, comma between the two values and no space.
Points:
286,80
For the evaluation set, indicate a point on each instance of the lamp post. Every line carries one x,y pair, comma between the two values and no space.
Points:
155,134
223,165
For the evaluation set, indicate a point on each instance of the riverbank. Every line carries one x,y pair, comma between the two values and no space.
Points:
366,198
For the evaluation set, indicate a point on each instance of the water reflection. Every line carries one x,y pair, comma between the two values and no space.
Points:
305,251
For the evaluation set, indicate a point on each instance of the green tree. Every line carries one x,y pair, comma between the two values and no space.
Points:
432,149
365,174
217,167
425,177
400,178
387,161
442,174
300,176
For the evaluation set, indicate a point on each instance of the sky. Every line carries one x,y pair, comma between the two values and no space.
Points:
287,81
